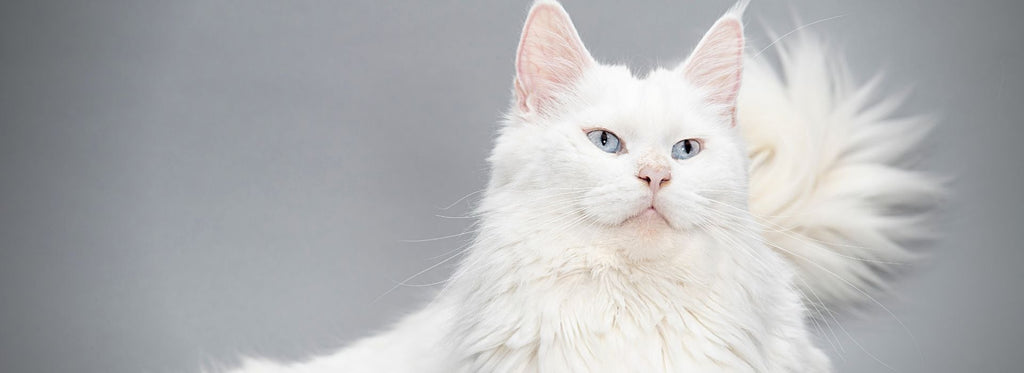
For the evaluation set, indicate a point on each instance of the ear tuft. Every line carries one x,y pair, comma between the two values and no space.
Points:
716,65
550,58
738,9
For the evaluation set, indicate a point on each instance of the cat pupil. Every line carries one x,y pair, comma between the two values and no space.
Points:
685,149
605,140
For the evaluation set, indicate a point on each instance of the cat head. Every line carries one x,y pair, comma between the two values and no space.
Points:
591,153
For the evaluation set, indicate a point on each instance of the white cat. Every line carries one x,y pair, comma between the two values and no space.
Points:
617,231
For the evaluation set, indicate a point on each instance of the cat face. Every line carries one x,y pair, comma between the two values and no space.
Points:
594,153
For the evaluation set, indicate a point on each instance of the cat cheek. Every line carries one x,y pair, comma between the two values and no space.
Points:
611,204
680,211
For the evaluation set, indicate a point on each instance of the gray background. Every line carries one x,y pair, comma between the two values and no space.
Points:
187,180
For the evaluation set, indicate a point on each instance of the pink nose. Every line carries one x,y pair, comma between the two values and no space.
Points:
655,176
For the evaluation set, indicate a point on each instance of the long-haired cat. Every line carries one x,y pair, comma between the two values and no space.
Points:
686,220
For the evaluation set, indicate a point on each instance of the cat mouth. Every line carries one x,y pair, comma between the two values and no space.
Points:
648,215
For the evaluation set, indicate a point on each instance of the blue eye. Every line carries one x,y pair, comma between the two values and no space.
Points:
605,140
685,149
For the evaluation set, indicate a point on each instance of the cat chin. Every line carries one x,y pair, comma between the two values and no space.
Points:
644,236
648,221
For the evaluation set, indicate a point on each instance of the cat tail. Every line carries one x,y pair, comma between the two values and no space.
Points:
830,178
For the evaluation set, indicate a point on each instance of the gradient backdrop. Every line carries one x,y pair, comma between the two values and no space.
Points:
186,180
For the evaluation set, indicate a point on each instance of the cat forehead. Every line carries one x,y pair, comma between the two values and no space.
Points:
661,99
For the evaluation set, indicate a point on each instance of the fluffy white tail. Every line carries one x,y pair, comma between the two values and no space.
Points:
829,178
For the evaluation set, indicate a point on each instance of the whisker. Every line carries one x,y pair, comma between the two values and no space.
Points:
796,30
462,199
818,304
725,236
457,217
442,237
410,278
821,304
859,290
803,239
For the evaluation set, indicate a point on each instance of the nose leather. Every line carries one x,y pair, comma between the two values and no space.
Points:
655,176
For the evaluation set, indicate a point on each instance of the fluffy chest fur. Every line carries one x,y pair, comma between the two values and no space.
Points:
591,310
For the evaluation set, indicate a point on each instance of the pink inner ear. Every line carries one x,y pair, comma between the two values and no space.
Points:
551,57
716,64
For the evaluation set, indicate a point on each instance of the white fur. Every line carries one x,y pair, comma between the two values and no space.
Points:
563,277
829,181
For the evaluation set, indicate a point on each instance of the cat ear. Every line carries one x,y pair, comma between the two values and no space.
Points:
550,58
716,65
